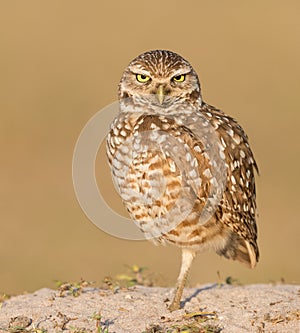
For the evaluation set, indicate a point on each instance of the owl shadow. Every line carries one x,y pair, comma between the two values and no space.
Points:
197,292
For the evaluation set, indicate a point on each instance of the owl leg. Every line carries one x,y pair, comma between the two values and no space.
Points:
187,259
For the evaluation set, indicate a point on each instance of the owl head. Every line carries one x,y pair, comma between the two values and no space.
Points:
160,78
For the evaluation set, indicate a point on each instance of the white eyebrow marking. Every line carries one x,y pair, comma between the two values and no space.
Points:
142,72
138,70
181,71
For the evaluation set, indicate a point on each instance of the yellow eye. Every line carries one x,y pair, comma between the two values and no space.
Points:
142,78
179,78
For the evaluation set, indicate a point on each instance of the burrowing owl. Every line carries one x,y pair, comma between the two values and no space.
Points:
184,169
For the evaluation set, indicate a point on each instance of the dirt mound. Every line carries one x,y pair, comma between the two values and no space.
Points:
210,308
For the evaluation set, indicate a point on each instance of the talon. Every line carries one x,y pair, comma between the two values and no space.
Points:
174,306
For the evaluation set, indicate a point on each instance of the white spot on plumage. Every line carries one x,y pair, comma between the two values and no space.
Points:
205,155
153,126
223,142
230,132
193,173
233,179
117,141
237,139
197,149
172,166
207,173
214,182
236,163
222,155
194,163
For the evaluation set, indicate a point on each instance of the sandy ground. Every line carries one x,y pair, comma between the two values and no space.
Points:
210,308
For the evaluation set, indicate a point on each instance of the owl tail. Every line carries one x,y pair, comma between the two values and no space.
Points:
237,248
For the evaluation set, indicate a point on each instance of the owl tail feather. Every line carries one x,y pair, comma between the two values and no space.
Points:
241,250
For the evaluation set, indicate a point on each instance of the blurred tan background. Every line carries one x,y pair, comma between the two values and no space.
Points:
60,62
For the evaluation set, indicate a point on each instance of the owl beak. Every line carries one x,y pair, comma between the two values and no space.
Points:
160,94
